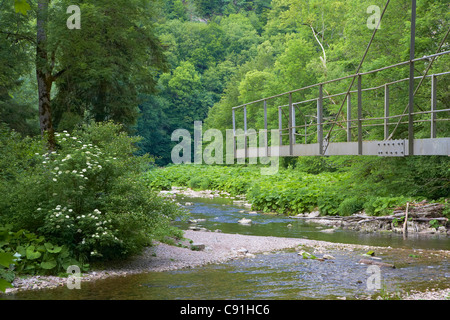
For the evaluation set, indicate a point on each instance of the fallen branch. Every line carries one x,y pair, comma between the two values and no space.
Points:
405,224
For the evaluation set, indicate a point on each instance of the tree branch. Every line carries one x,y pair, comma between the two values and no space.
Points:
18,36
324,61
55,76
324,58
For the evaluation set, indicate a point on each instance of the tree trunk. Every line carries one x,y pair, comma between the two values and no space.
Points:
43,75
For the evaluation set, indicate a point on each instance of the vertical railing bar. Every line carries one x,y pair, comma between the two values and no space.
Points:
360,142
280,124
291,125
320,120
386,111
349,118
411,79
433,105
234,134
306,131
266,136
245,132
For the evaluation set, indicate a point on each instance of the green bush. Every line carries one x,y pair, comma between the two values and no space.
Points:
88,195
446,210
350,206
195,182
33,254
23,252
380,206
292,191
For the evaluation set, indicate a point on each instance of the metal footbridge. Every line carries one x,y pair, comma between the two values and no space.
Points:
403,117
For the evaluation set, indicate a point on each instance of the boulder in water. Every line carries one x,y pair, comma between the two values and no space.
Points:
245,221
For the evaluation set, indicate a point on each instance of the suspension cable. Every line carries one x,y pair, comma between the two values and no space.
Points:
420,83
327,138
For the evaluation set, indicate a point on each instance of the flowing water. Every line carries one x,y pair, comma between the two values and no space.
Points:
280,275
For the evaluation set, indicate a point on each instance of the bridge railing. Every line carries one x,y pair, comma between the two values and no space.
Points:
321,140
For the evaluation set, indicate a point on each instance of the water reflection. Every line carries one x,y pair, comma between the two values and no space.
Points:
220,213
282,275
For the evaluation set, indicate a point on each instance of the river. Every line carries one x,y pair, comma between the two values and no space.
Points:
280,275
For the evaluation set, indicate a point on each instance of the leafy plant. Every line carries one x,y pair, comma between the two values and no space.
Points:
33,254
88,195
350,206
434,224
398,221
6,275
379,206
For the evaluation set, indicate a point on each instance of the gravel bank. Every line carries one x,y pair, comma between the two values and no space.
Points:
218,248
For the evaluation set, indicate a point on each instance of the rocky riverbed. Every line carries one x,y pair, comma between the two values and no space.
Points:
423,218
201,248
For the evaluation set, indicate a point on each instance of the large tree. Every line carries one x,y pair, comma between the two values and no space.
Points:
97,70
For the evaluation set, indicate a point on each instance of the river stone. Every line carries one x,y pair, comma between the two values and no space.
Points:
245,221
314,214
242,251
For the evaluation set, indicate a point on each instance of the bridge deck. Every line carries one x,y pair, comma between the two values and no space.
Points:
392,148
353,141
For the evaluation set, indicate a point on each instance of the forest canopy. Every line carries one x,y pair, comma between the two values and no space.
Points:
158,66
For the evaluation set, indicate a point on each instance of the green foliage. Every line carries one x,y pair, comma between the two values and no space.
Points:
105,65
350,206
380,206
23,252
434,224
33,254
446,210
22,6
315,165
87,195
199,183
289,192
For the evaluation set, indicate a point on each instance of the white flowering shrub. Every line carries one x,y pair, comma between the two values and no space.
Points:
89,195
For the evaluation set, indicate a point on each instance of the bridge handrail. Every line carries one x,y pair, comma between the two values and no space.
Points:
348,77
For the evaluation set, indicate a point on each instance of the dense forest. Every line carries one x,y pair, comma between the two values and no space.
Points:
146,68
164,64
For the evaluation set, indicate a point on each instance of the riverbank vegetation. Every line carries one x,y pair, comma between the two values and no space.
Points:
75,181
84,202
334,186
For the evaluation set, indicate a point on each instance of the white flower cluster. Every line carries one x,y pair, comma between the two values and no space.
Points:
102,226
80,166
60,217
93,227
85,158
79,163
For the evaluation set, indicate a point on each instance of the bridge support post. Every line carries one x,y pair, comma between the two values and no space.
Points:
386,112
411,79
291,126
245,132
234,134
266,137
320,120
360,140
